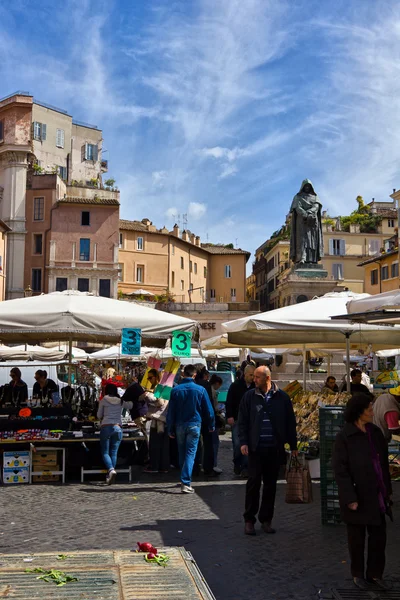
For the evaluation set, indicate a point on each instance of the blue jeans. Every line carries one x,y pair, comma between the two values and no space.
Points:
110,439
239,460
187,436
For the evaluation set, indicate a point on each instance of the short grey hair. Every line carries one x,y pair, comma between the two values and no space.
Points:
249,368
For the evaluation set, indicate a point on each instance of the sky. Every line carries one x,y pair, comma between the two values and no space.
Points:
218,109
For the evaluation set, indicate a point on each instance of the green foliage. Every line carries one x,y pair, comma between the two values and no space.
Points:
109,183
37,170
328,221
281,235
93,181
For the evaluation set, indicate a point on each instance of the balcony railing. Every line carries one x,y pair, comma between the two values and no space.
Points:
104,166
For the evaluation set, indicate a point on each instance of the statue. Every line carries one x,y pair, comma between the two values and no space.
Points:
306,244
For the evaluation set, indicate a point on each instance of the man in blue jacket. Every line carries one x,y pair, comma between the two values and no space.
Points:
188,407
266,423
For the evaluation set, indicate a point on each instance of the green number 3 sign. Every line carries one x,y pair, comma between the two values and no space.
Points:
181,343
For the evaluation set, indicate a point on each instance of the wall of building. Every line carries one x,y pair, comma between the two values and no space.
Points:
81,169
153,258
48,154
381,285
223,285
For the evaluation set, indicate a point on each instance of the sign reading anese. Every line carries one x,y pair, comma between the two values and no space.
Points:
207,325
181,343
131,341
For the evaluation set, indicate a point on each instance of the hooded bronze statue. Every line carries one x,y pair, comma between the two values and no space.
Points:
306,244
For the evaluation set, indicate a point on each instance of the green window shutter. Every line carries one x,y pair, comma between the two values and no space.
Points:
95,153
44,128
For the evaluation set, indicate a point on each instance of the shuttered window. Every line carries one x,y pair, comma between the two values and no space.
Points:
337,270
91,152
395,269
337,247
39,131
385,273
374,277
60,138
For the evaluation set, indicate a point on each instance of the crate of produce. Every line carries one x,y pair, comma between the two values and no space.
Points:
16,459
18,475
45,459
47,474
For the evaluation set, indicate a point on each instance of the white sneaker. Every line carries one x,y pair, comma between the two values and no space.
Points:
217,470
186,489
111,475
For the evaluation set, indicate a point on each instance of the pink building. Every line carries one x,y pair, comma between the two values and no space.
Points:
72,237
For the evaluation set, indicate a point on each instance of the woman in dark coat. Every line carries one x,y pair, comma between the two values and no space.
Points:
361,467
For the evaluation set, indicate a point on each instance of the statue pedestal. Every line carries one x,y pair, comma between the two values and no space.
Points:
310,271
303,282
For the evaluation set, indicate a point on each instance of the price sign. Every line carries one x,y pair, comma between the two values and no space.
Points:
181,343
131,341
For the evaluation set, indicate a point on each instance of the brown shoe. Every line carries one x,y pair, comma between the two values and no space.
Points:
266,527
249,528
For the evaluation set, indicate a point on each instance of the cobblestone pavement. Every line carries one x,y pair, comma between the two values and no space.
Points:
300,559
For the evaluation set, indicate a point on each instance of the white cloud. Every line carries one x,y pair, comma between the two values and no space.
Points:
227,171
172,212
196,210
159,178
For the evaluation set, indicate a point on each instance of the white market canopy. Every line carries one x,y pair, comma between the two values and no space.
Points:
72,315
377,308
220,342
25,352
140,292
115,353
309,324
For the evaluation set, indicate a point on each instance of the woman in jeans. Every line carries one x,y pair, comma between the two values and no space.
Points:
110,414
361,466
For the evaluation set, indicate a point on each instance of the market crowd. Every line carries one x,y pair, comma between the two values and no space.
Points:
184,432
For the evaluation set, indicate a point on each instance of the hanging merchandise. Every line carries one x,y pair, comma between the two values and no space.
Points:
152,363
163,390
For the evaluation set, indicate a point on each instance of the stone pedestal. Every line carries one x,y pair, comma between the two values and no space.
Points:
303,282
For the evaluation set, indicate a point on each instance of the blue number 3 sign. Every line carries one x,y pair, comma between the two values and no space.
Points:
131,341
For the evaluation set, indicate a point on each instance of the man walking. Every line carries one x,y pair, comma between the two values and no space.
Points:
188,407
266,423
235,393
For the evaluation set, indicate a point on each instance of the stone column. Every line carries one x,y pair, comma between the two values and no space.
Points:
13,170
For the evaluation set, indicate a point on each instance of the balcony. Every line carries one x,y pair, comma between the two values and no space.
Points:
104,166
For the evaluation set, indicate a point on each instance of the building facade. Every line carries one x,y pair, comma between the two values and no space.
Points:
72,238
170,263
36,138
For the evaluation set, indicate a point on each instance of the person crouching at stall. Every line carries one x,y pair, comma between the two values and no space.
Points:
110,414
361,467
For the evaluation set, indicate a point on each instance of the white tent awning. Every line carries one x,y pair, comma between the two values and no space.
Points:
81,316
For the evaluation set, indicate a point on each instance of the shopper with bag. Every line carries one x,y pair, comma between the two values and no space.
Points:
361,467
266,423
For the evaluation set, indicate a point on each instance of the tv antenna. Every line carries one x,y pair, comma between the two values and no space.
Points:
184,221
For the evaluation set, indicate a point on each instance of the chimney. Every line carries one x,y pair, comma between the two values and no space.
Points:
394,190
193,238
185,236
198,240
175,231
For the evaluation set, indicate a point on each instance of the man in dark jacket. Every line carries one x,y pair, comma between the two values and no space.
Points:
266,423
235,393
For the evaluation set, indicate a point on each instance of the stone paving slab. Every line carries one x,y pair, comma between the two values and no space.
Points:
302,558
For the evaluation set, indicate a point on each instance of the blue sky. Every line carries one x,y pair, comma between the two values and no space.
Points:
219,108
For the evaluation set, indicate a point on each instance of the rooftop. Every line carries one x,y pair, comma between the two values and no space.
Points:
378,257
221,249
94,200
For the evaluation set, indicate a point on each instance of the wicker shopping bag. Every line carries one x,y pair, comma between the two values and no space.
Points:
299,488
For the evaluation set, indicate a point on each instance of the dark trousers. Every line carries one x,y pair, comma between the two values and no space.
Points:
159,450
263,466
376,549
208,450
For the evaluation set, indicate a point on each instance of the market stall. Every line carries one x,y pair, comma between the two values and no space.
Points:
73,316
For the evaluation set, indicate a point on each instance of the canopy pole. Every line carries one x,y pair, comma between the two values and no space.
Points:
329,365
348,361
304,368
70,361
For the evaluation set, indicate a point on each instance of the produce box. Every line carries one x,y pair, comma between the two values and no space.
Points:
48,474
16,459
18,475
48,458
